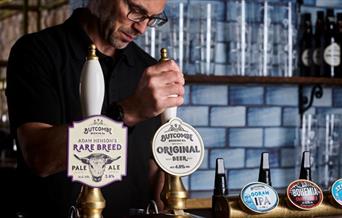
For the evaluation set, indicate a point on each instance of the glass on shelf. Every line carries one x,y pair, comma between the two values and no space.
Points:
321,135
308,140
228,37
330,149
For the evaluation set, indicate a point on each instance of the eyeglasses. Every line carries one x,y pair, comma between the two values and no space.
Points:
137,14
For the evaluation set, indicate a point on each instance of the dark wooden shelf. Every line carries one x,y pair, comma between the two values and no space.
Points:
202,79
18,5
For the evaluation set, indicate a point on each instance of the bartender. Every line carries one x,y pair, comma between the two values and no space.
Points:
43,79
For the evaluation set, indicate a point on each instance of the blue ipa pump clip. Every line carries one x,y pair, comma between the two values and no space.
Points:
260,197
303,193
335,195
220,204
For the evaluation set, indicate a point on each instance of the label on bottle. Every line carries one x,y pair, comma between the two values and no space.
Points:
97,151
259,197
336,191
305,57
316,56
304,194
332,54
178,148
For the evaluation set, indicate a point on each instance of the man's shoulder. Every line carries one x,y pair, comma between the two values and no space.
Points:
38,40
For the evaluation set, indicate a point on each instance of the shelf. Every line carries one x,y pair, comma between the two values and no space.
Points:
11,7
18,5
4,2
202,79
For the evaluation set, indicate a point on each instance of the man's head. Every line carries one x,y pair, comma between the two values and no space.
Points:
120,21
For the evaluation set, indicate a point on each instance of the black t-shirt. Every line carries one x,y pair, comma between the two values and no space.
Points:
43,86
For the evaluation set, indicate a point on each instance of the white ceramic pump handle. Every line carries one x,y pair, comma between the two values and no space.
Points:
170,112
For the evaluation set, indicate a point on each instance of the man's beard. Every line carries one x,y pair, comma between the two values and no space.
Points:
115,41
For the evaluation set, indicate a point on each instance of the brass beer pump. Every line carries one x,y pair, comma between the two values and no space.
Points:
173,194
90,202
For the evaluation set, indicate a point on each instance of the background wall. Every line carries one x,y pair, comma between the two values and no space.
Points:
238,122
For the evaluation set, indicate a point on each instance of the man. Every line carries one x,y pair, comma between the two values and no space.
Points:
43,82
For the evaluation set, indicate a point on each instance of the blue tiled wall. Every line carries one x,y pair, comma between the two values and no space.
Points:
239,122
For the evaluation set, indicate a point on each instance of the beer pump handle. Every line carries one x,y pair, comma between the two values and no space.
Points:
91,85
305,170
220,204
170,112
220,188
90,201
264,171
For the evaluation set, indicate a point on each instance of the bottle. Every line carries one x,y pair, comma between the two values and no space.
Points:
305,46
332,51
317,54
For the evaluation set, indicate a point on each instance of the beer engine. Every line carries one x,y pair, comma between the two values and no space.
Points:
178,150
89,159
260,197
220,204
230,207
303,193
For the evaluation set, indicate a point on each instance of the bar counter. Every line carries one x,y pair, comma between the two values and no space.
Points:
201,207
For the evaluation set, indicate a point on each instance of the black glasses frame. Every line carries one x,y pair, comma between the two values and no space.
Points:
153,21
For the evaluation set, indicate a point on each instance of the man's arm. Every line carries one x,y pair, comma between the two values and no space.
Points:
43,147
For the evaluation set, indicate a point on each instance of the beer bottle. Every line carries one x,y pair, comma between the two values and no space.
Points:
332,50
305,46
317,54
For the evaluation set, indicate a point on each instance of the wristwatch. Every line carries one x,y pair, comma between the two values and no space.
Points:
116,112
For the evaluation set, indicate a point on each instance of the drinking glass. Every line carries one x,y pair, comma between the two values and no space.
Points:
236,37
330,149
201,36
308,141
283,43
